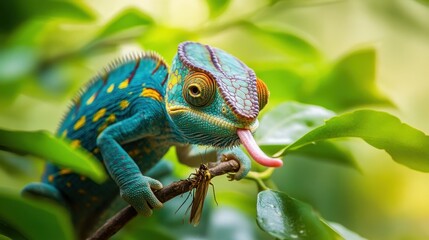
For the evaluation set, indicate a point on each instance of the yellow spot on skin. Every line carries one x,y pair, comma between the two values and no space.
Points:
68,184
96,150
173,80
99,114
94,198
123,84
64,171
111,87
51,178
147,150
79,123
124,104
102,127
81,191
111,118
75,143
90,100
134,152
151,93
82,178
87,205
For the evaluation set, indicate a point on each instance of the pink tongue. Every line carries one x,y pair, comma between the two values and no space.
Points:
253,149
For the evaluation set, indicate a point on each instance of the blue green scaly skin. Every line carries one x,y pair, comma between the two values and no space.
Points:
129,117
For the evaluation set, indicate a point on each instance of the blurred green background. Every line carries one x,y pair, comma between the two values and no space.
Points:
302,49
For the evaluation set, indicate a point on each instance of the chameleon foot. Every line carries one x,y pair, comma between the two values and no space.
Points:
138,193
238,155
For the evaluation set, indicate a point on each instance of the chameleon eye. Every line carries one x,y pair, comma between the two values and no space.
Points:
263,93
199,89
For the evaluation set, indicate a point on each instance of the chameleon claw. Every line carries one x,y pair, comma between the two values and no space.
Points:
241,158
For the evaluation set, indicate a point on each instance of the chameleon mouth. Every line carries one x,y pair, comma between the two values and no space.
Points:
244,134
172,110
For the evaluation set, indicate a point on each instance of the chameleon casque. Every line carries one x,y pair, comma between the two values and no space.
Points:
132,114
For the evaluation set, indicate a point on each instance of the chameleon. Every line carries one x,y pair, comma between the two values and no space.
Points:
130,114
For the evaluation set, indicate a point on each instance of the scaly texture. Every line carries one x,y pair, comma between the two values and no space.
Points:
132,113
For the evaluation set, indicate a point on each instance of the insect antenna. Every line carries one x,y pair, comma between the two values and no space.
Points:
183,203
189,194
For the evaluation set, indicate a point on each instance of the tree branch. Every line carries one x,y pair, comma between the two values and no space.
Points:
118,221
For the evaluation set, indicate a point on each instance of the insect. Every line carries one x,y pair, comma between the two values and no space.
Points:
202,180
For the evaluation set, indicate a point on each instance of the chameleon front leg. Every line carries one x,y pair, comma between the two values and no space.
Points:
191,155
134,187
238,155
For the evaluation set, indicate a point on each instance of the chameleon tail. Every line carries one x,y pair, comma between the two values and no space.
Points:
43,191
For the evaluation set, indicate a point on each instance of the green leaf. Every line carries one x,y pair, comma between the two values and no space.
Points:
289,121
61,9
44,145
287,218
350,83
217,7
48,221
344,232
127,20
17,12
406,145
326,151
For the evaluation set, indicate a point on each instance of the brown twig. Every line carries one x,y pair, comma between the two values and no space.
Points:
118,221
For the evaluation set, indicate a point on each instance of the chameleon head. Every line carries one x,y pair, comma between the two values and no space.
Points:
214,99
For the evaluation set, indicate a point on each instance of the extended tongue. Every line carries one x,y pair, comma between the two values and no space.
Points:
253,149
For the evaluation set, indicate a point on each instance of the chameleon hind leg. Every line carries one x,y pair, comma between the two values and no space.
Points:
44,191
192,155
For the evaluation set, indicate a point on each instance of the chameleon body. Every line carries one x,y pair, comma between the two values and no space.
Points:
129,116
